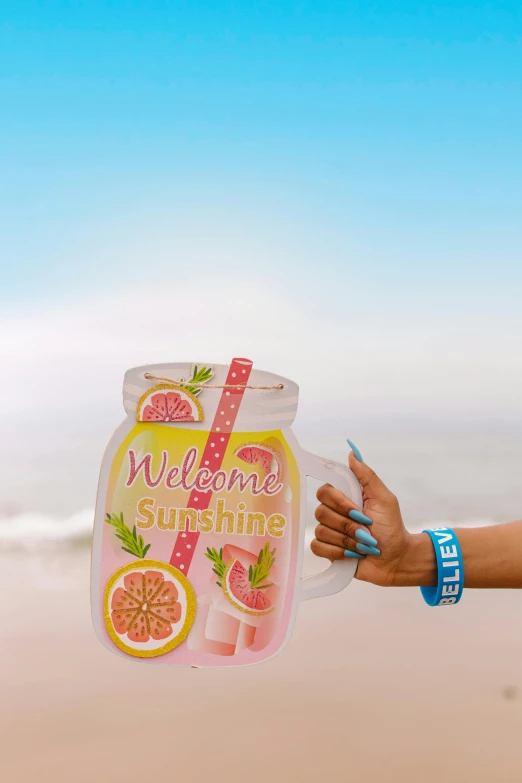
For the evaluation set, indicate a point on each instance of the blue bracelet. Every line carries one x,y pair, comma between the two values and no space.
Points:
450,569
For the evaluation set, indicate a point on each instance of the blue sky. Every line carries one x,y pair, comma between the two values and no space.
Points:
376,142
332,189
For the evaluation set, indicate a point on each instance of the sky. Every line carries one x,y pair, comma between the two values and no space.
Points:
330,188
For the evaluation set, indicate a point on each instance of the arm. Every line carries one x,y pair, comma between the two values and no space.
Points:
492,557
391,556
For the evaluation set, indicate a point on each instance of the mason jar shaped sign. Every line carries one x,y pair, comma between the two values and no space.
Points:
200,517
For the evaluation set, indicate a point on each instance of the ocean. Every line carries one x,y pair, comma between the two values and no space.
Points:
466,478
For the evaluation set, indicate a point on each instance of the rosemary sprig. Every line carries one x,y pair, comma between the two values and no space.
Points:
219,564
134,544
256,574
261,571
200,375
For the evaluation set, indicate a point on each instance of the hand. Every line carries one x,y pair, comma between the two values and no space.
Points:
337,532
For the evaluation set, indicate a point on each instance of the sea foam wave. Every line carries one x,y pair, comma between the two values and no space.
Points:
33,530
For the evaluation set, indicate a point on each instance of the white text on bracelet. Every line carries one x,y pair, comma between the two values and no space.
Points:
451,580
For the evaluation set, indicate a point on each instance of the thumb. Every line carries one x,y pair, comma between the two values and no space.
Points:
372,486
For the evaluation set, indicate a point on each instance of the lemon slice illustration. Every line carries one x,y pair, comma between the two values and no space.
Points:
149,608
170,403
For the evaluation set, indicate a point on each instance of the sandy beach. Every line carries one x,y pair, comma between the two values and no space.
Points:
234,237
373,685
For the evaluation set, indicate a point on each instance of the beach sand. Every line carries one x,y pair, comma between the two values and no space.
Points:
374,685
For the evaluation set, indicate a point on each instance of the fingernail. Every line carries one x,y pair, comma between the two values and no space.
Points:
357,516
355,450
349,553
368,550
365,537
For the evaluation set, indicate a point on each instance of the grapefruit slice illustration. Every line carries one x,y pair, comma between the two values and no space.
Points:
149,608
236,587
258,454
168,402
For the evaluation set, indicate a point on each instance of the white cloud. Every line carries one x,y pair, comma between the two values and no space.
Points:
63,365
73,356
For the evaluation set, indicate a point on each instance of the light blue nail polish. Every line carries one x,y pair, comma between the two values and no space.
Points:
355,450
357,516
362,535
368,550
349,553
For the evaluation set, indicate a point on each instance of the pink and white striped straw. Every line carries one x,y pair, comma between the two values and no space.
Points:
213,454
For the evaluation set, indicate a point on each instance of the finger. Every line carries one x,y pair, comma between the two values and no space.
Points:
325,516
358,539
328,536
330,551
373,487
336,500
334,519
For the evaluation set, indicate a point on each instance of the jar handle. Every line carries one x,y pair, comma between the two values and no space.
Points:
341,572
